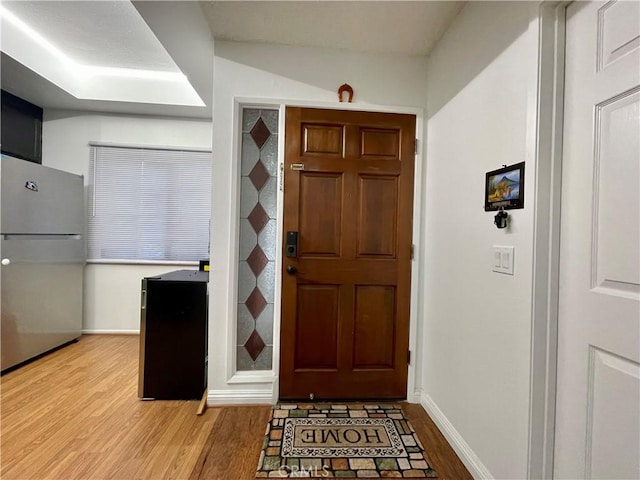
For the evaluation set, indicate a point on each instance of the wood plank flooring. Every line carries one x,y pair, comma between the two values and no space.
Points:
74,414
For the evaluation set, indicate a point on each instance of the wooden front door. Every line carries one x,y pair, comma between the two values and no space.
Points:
348,193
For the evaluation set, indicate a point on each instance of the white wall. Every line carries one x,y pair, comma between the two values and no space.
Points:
273,74
477,323
112,292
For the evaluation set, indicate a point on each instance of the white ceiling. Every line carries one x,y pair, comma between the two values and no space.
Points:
108,34
175,36
398,27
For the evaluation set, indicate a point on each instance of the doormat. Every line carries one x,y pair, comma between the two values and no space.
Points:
341,441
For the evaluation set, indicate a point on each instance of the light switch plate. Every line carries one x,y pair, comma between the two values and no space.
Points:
503,259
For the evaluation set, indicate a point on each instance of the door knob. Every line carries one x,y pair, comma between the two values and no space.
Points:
5,261
291,270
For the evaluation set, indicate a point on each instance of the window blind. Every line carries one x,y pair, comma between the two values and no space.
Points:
149,204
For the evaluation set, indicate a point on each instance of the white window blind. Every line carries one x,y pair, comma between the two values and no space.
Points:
149,204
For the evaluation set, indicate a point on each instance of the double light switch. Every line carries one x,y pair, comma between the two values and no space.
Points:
503,258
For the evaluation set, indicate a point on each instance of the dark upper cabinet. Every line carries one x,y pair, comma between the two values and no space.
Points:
21,128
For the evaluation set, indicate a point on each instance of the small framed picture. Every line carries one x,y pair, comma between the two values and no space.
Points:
504,188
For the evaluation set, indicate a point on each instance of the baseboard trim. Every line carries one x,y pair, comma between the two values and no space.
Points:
254,377
415,397
90,331
461,447
239,397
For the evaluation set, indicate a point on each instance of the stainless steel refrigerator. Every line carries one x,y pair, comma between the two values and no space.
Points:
42,248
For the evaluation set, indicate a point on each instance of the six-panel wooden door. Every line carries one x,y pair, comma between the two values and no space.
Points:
345,295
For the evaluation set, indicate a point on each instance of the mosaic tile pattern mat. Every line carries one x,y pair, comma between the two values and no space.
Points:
341,441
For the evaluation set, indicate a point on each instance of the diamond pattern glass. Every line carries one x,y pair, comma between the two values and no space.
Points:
243,359
264,324
259,175
260,133
263,362
257,239
254,345
267,240
246,324
247,239
267,282
256,303
258,218
257,260
249,118
269,155
248,198
270,118
246,281
269,197
249,155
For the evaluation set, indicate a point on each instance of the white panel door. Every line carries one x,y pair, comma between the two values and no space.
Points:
598,391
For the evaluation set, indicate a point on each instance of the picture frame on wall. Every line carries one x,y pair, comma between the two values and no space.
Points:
504,188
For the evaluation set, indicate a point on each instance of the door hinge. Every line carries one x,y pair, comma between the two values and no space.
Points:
413,251
408,357
416,146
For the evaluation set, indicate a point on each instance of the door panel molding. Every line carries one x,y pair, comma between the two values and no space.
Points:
378,310
610,376
376,233
321,300
324,140
610,273
615,43
378,143
320,230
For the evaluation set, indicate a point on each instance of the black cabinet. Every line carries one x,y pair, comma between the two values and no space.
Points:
21,134
173,336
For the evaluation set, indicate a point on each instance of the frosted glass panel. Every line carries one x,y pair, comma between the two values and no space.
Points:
257,237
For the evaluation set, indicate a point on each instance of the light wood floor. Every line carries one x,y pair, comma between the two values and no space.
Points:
74,414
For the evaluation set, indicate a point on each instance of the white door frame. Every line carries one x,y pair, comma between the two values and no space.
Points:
415,317
546,249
